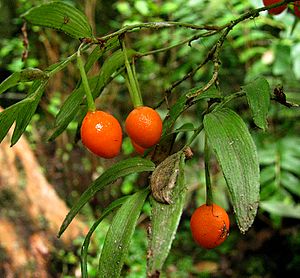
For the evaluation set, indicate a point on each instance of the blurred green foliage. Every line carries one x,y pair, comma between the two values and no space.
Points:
264,46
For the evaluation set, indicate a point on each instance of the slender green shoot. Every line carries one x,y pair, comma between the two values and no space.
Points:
85,82
133,87
136,80
209,194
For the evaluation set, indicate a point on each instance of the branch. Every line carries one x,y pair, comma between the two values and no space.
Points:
186,41
215,52
156,26
216,62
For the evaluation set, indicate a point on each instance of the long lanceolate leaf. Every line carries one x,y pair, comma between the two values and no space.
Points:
70,108
10,81
25,114
111,66
29,74
119,236
237,156
85,245
21,112
118,170
7,118
165,217
60,16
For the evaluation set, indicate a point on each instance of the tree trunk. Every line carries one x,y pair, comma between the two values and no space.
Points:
31,214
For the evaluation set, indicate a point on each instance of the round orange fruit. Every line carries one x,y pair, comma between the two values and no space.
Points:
144,126
209,225
101,133
140,150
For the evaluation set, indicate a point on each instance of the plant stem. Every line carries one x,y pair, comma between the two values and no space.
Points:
60,66
209,195
132,82
85,82
136,80
186,41
128,86
228,99
156,26
196,133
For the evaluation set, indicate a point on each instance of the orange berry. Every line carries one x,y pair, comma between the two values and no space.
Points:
276,10
209,225
101,133
138,148
297,8
144,126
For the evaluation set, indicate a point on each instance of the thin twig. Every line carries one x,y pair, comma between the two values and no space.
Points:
156,25
216,61
215,52
25,42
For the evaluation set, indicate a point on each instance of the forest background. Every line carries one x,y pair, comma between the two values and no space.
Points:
264,46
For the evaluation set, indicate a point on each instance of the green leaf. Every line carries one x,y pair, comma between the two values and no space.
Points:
283,62
185,128
281,209
54,68
25,75
295,53
181,104
244,39
85,245
165,217
111,65
251,53
237,156
118,170
7,118
290,163
67,112
290,182
93,57
119,236
10,81
27,110
70,108
142,7
211,93
267,174
292,144
21,112
174,113
267,155
258,96
31,74
60,16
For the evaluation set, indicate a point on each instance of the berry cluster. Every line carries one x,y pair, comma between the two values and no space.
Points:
280,9
101,132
